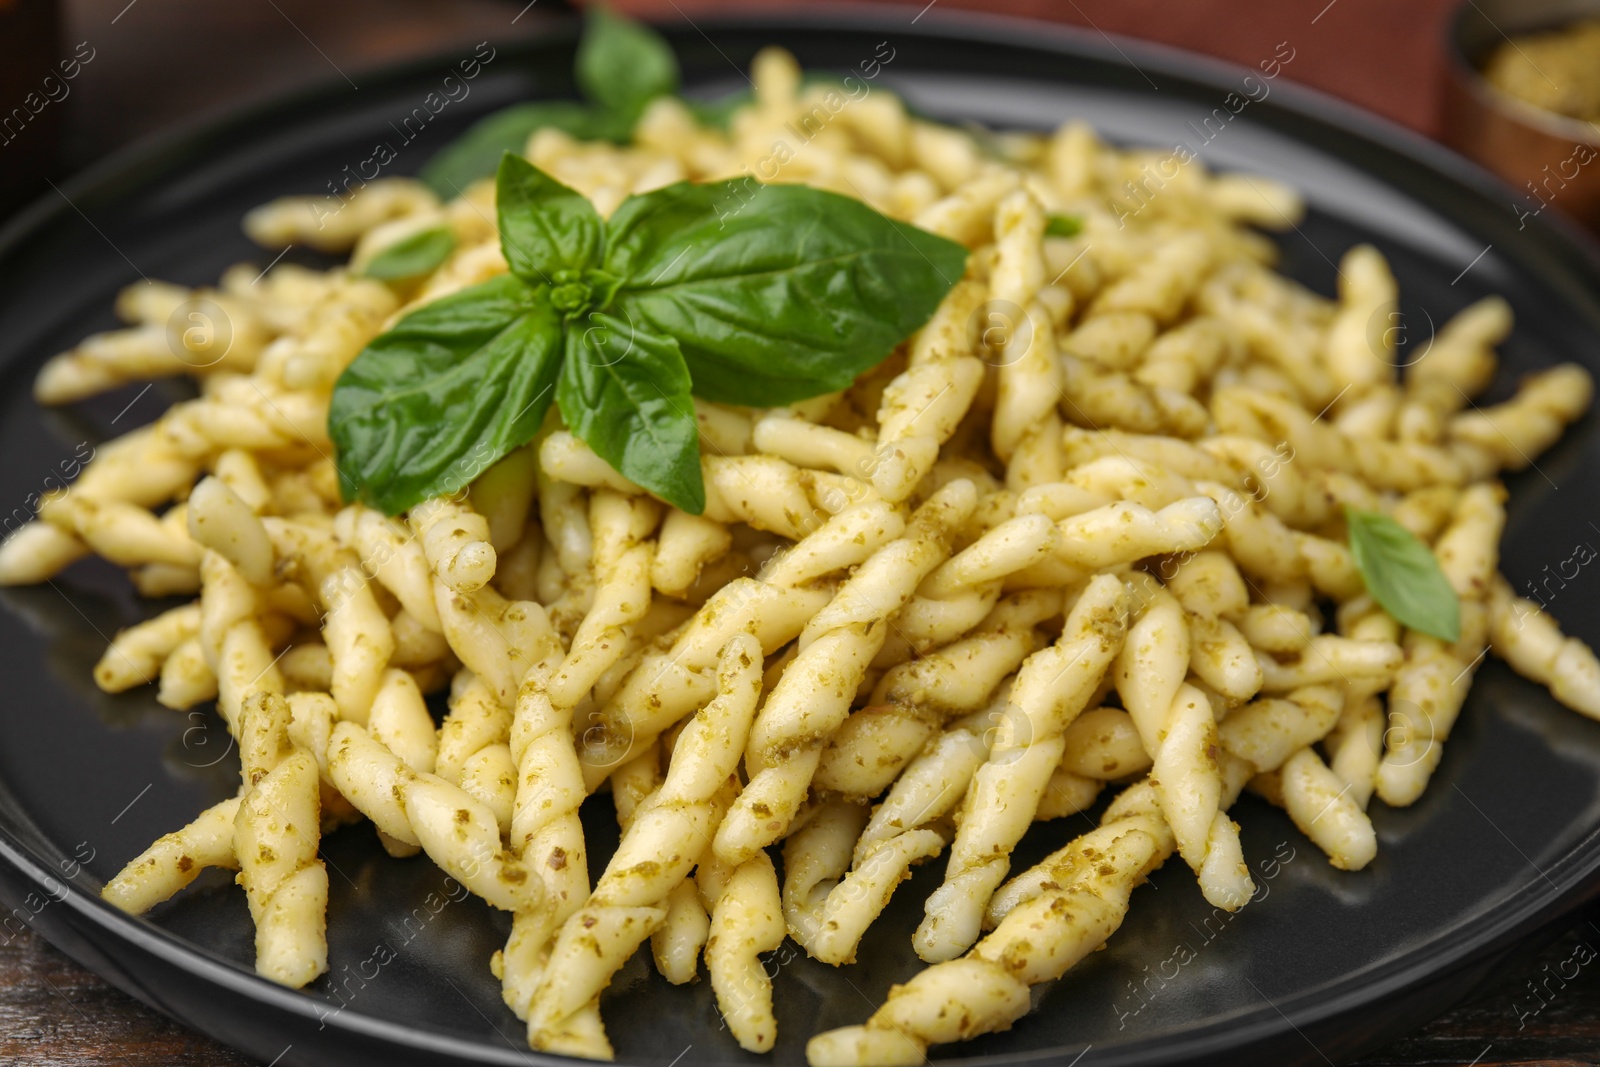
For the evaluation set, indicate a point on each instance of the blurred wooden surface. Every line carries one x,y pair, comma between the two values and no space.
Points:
158,62
30,109
55,1012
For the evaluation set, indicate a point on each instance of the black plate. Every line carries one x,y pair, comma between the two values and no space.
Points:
1326,966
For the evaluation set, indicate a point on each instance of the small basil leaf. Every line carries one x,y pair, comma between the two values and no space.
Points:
774,293
476,153
1063,226
451,388
718,113
625,392
413,255
545,228
1403,575
623,65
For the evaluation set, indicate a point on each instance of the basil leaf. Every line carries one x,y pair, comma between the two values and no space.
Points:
625,392
1403,575
545,228
451,388
411,256
719,113
1063,226
774,293
623,65
477,152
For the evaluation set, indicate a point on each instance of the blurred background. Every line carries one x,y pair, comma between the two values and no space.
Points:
151,65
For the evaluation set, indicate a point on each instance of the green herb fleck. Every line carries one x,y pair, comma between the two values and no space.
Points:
1063,226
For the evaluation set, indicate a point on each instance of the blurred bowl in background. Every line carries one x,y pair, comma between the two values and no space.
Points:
1551,159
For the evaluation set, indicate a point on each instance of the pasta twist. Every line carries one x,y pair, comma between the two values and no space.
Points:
1530,422
37,551
663,688
913,700
621,568
686,545
455,540
833,891
764,492
1053,687
677,942
960,594
276,834
420,809
1360,349
828,911
1271,733
143,468
1459,365
138,654
232,639
546,835
391,553
925,402
333,330
987,989
331,225
564,585
1355,746
663,842
968,214
175,860
175,333
1320,803
474,747
219,519
124,533
1176,724
1162,284
1527,638
814,694
932,785
1124,532
1026,430
1432,684
746,920
359,639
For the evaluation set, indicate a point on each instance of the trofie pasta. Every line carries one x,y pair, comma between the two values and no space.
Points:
1041,499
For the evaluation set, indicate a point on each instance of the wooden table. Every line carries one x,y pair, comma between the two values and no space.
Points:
160,61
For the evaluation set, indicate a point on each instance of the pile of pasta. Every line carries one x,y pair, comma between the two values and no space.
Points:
1082,533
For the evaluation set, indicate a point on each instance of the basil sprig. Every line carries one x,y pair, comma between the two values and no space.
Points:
1403,575
621,66
413,255
733,291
